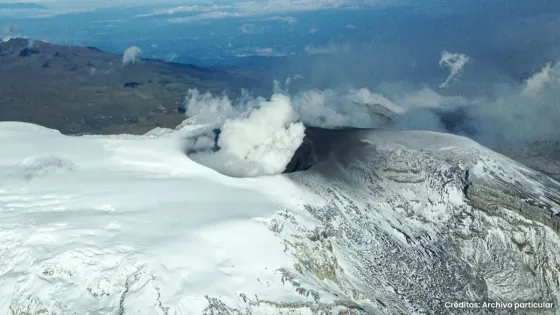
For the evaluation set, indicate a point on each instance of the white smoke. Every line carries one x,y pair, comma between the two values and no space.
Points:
259,136
268,135
206,108
131,55
10,31
171,57
359,108
455,62
549,75
329,49
259,142
507,116
426,98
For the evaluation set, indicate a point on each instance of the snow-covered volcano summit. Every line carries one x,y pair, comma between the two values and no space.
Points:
427,218
382,223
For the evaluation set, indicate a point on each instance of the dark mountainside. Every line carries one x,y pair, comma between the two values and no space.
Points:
86,90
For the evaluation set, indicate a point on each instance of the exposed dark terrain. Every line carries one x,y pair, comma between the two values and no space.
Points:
86,90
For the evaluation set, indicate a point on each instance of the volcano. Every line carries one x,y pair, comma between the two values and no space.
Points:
366,222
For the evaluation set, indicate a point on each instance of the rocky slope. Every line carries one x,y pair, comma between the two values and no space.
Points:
543,156
419,219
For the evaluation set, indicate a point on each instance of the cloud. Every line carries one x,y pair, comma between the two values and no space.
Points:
455,62
540,81
21,5
184,9
313,30
507,114
269,52
285,19
265,135
10,31
262,52
252,8
249,29
201,9
53,8
171,57
328,108
131,55
258,27
259,136
206,16
359,108
208,109
328,49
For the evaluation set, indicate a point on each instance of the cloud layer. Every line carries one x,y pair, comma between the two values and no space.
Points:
241,9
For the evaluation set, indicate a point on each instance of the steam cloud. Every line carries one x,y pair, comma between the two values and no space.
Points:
359,108
455,62
259,136
548,77
131,55
10,31
259,142
509,116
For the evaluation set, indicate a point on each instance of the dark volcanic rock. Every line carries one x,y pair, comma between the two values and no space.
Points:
94,49
26,52
71,67
384,195
316,146
131,84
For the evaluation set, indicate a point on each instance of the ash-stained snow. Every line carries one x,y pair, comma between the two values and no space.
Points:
422,218
386,223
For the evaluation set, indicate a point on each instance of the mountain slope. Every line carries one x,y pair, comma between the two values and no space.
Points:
382,223
543,156
428,218
83,89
